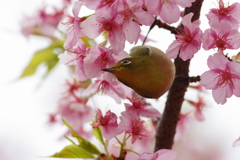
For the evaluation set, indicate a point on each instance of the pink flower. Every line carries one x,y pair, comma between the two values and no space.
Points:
223,78
199,105
182,126
162,154
94,25
75,113
52,118
43,23
76,57
130,15
168,11
221,36
141,108
109,124
98,58
74,31
188,40
229,14
131,123
114,89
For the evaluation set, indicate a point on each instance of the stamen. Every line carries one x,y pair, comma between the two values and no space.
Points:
225,78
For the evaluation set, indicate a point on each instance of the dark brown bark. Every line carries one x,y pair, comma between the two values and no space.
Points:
166,126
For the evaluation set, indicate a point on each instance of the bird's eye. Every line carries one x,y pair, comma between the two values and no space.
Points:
125,62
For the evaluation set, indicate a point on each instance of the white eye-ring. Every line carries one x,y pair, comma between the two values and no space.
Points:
125,62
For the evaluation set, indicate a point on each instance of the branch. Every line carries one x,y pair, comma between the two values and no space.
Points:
194,79
160,24
167,125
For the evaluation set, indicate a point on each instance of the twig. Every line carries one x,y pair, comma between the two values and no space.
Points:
150,28
160,24
194,79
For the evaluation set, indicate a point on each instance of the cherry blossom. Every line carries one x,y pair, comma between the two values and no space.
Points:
223,78
109,124
98,58
131,123
130,15
221,36
188,40
168,10
94,25
229,14
76,58
182,126
75,113
43,23
74,31
114,89
141,108
162,154
199,105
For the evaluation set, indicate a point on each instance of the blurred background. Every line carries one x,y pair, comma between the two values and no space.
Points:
25,104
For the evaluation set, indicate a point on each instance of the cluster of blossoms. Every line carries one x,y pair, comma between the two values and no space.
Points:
119,21
223,76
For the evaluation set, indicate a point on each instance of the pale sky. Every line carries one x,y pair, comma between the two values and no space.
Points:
24,104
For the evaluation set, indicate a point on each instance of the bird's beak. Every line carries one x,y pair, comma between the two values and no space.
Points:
109,69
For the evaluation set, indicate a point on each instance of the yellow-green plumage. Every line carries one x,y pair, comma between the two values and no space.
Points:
148,72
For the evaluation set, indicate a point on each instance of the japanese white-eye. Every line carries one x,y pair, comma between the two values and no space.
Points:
148,71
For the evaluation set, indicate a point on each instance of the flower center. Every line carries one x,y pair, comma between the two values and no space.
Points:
138,127
104,121
184,35
106,3
225,78
102,60
221,42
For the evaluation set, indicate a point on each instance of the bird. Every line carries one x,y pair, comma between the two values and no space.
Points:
148,71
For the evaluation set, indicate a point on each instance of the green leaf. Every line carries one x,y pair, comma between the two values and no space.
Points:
66,124
85,144
98,134
47,56
88,41
73,151
70,140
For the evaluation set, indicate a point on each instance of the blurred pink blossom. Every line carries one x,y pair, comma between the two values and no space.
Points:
74,32
223,78
43,23
76,57
199,105
182,126
75,113
236,143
